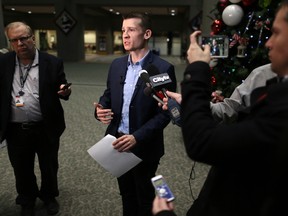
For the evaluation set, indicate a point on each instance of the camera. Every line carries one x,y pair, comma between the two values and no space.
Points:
219,45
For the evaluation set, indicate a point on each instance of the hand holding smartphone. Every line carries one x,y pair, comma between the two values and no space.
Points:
66,86
219,45
162,188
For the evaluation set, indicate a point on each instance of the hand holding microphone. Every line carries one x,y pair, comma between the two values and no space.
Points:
156,88
149,92
174,109
173,95
167,104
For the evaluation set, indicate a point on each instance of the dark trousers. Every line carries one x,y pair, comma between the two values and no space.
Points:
23,145
137,190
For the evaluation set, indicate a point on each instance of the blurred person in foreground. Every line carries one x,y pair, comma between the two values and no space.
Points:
31,116
134,118
226,109
249,158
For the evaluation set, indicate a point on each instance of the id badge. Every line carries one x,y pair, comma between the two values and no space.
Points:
19,101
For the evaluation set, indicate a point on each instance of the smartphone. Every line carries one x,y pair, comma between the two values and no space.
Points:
66,86
162,188
219,45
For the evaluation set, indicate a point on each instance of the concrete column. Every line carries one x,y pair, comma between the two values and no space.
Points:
3,41
70,46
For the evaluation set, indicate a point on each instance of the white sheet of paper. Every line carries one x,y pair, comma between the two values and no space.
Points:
117,163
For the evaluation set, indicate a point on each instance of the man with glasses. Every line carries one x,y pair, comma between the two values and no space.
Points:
31,116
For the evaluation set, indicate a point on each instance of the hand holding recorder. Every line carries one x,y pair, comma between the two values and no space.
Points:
161,204
162,188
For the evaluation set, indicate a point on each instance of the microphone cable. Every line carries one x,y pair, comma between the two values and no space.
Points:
192,176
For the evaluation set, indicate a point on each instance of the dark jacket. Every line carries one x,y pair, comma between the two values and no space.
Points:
147,119
248,158
51,76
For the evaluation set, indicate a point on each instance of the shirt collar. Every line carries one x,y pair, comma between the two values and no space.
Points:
140,62
35,61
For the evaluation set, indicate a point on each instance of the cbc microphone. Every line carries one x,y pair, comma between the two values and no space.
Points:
174,111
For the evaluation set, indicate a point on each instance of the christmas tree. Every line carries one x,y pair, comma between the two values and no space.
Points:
248,24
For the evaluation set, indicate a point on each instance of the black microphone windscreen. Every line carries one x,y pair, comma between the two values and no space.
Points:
143,74
148,91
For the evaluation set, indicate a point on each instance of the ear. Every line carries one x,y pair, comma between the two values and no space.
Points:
147,34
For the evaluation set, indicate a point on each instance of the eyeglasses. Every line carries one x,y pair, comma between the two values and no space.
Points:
21,39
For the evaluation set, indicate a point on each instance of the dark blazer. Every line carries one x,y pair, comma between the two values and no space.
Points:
249,159
147,120
51,76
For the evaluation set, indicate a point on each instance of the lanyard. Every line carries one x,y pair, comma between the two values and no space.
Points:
23,77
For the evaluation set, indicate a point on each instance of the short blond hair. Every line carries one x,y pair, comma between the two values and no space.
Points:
17,24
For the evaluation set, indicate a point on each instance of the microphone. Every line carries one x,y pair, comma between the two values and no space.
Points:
173,106
156,87
143,74
149,92
158,82
174,111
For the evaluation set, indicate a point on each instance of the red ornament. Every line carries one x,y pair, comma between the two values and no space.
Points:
217,26
213,80
248,2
